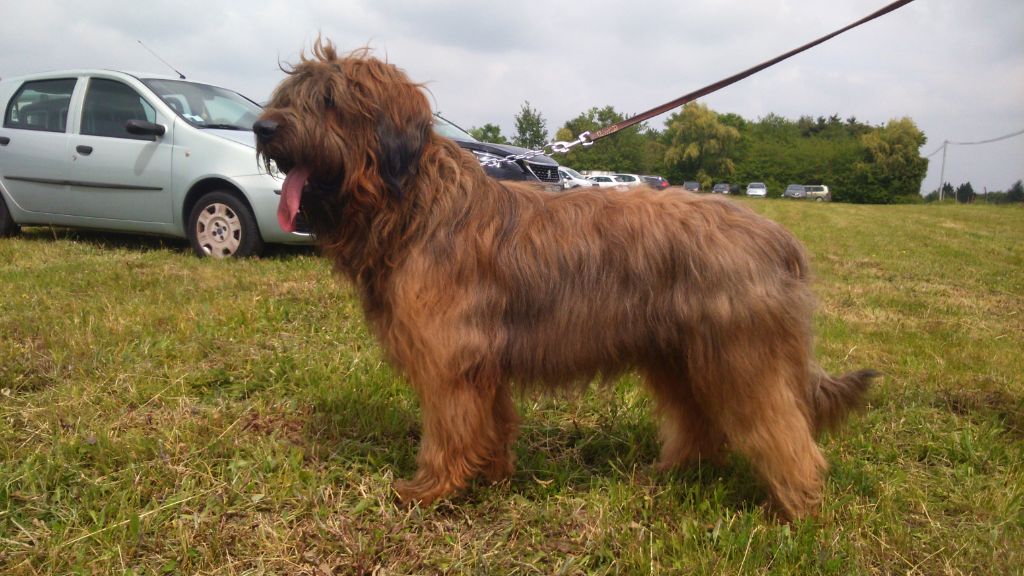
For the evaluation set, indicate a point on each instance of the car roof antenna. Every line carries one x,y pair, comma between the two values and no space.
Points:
180,75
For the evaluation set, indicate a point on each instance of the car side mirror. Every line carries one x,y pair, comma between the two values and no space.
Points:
143,128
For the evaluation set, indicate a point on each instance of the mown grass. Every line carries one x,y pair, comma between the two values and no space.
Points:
161,414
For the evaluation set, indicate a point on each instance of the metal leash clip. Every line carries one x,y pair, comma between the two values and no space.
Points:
563,147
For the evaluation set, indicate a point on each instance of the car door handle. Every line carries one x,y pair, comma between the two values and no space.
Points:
84,150
4,140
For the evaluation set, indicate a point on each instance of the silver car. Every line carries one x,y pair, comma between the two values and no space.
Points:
136,153
757,189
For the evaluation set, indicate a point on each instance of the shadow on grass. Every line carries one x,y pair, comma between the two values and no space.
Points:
105,240
143,243
362,428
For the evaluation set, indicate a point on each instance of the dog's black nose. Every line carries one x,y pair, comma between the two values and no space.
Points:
265,129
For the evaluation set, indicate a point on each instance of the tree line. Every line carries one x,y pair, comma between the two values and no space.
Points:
965,194
859,162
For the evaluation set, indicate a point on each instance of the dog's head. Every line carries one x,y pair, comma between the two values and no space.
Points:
343,129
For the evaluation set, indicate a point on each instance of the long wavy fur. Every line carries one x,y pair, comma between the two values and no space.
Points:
474,286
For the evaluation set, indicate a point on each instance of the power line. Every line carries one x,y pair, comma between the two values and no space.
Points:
945,144
1017,133
988,141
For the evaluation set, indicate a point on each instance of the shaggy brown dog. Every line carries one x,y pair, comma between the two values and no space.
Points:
474,285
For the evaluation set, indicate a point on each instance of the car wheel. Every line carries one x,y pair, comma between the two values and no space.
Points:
7,225
819,199
222,226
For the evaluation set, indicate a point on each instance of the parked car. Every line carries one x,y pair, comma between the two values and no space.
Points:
155,154
573,179
656,182
629,179
757,189
818,192
720,188
136,153
540,168
691,185
606,181
795,191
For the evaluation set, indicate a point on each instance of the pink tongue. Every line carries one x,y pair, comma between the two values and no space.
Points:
291,198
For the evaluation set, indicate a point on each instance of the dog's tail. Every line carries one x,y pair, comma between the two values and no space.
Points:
834,398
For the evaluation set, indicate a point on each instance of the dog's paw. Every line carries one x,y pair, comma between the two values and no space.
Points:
420,491
499,470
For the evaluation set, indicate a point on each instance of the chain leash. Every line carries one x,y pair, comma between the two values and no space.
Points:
560,147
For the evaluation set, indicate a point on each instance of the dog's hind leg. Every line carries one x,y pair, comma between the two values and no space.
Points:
506,423
765,419
460,439
687,435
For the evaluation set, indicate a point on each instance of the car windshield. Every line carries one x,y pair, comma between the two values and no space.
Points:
572,172
445,128
205,106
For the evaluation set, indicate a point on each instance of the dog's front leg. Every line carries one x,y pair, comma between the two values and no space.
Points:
468,427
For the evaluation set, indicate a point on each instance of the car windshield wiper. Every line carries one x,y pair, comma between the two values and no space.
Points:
225,127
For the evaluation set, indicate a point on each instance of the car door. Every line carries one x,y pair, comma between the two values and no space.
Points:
116,175
34,143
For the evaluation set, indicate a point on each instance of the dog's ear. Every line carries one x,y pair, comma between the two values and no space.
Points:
400,149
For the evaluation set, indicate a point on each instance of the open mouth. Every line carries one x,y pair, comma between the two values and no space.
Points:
285,166
299,183
291,197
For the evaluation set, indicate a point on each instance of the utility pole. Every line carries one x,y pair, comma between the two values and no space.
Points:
942,173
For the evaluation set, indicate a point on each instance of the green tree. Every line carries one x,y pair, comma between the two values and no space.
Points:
488,133
965,193
531,128
891,165
946,191
699,146
1016,192
625,151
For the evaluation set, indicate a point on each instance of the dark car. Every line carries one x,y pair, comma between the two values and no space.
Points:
795,191
656,182
537,169
720,188
691,185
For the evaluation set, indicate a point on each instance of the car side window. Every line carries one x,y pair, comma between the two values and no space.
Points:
108,107
41,105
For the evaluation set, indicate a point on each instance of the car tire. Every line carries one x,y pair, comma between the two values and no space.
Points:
7,225
223,226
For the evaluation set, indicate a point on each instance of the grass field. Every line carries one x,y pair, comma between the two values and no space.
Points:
161,414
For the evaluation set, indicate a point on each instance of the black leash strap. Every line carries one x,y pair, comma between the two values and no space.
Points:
609,130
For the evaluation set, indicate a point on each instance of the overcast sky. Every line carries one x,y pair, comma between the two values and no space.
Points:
956,67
